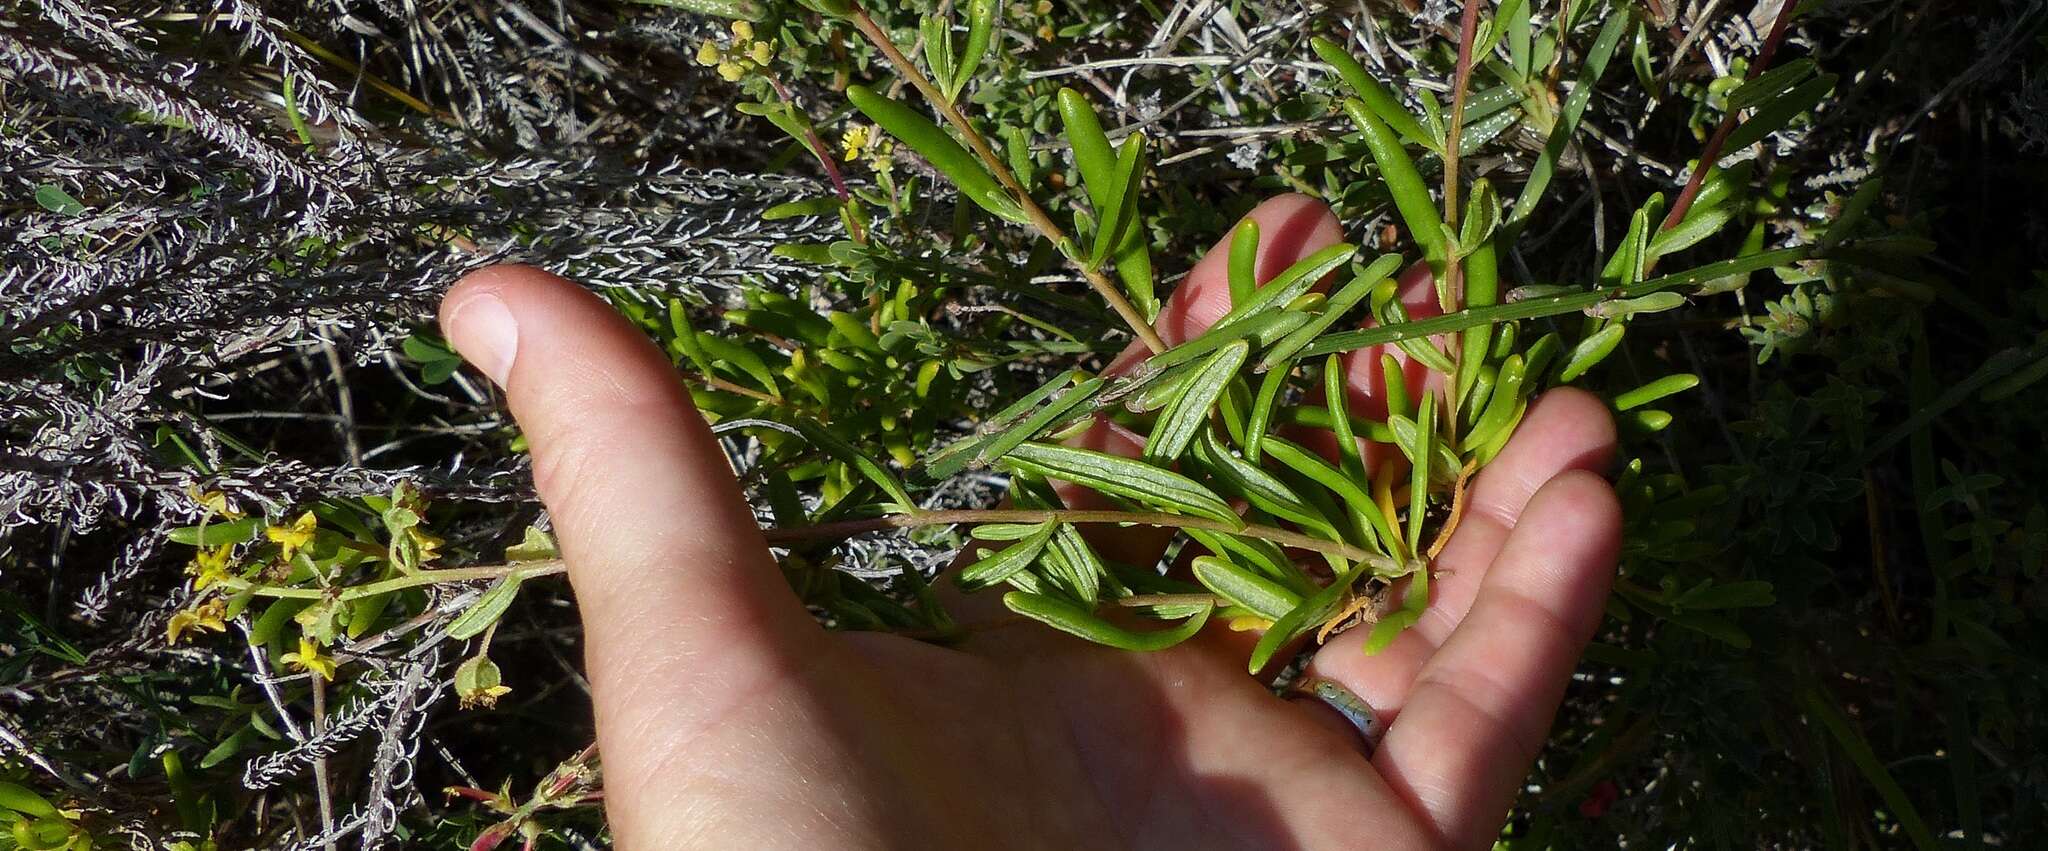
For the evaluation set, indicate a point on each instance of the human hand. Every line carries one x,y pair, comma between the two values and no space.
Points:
728,718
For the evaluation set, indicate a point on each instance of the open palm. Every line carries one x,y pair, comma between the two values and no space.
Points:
727,718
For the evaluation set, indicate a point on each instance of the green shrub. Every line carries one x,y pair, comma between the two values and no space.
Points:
1823,354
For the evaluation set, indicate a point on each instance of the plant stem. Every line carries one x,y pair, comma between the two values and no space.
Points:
1537,308
526,569
1452,295
1468,32
1039,220
849,528
1711,154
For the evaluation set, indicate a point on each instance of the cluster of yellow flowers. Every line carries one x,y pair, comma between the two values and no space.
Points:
859,138
745,53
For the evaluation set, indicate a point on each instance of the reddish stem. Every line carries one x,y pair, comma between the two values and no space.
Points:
1468,32
818,148
1711,154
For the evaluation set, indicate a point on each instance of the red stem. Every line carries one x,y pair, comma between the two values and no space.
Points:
1711,154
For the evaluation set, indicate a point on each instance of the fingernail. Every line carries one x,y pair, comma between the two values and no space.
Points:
486,335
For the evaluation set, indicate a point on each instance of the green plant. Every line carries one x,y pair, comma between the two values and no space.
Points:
1822,346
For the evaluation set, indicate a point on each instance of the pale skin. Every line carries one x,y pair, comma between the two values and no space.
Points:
728,718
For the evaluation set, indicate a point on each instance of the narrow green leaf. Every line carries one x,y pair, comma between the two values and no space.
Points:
1568,118
1339,304
1852,214
1388,628
955,456
1312,466
831,444
1125,477
52,197
1189,411
1698,225
1243,271
1002,564
1418,483
1866,761
1372,94
1655,390
1288,285
723,352
1074,565
2010,386
268,625
1083,623
1233,582
217,534
936,33
1004,531
1779,112
1591,351
1482,214
1262,490
1626,265
1296,623
1093,155
1337,400
487,609
1267,557
1002,442
1411,197
1425,352
1482,288
938,148
981,26
1120,206
1625,307
1261,329
1508,384
1770,84
1261,418
21,799
1550,305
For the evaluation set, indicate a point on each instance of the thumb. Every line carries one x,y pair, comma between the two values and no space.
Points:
681,603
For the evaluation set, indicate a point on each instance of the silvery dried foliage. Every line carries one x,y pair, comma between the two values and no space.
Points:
175,258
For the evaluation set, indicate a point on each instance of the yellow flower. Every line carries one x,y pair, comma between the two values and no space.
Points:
761,52
294,537
309,658
430,546
742,30
708,54
731,71
209,566
855,139
211,614
882,156
216,503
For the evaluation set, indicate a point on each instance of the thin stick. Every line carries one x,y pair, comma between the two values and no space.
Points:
326,799
1039,220
526,570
